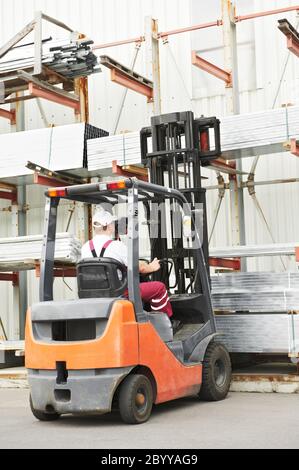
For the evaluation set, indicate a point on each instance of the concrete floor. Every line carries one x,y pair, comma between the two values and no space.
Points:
242,421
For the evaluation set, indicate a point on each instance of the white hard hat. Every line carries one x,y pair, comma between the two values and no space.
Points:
103,218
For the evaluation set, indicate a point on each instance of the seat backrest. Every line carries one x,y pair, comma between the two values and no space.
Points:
101,278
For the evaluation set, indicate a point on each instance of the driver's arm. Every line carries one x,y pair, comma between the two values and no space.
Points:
150,268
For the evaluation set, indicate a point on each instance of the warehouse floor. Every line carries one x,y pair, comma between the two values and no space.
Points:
242,421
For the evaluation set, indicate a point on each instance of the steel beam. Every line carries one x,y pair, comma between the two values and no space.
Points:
48,181
292,36
152,54
211,69
233,107
126,77
57,92
10,115
38,43
59,271
16,325
10,277
121,79
224,167
129,171
81,89
54,96
9,196
293,45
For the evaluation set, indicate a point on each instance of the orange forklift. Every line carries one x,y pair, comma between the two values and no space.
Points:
107,350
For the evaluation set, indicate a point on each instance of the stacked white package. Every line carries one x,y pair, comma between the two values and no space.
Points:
123,148
259,133
245,135
19,253
56,148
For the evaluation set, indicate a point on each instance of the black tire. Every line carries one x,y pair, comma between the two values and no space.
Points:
41,416
135,387
217,372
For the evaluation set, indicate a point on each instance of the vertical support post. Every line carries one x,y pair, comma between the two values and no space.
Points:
133,251
38,43
81,89
14,318
152,47
233,107
84,211
19,228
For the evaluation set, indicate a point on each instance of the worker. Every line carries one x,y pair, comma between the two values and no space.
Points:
103,245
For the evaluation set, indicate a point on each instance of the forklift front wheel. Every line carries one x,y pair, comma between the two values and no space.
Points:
136,399
41,416
216,375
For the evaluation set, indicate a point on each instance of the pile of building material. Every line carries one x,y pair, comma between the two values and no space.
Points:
259,133
17,254
257,312
69,58
255,251
57,148
245,135
256,292
259,333
124,148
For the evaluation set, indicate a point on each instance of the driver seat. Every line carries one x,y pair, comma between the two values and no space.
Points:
101,278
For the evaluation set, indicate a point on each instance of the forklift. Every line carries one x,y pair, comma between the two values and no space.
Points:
107,350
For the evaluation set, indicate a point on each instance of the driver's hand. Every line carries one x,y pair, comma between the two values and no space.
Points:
155,265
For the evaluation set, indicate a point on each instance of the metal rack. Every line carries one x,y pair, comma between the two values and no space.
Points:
42,83
37,81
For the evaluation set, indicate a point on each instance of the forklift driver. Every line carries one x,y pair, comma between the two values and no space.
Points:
153,293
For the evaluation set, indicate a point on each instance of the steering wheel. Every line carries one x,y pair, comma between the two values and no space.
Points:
167,262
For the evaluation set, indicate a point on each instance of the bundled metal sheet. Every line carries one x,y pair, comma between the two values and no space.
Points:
259,133
58,148
256,292
241,136
17,254
124,148
69,58
268,333
252,251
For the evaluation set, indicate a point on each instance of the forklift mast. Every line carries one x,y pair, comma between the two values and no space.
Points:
180,146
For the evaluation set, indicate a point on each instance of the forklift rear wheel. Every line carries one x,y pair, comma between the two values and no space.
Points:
136,399
41,416
217,371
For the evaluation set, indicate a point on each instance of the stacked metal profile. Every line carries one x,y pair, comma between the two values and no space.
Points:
17,254
259,133
252,251
256,292
58,148
259,333
71,59
124,148
263,312
241,136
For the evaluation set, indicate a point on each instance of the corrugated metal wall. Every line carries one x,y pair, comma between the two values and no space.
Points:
262,57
